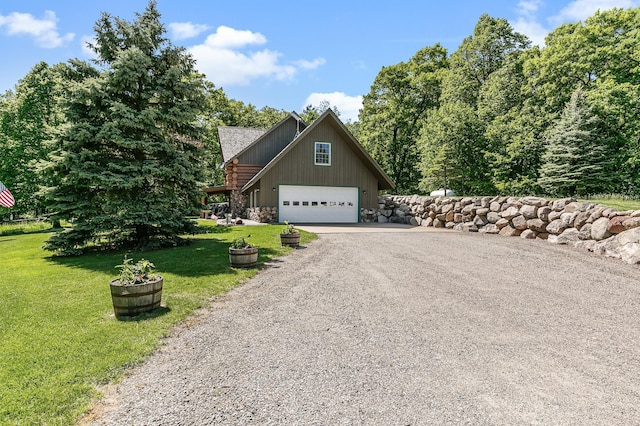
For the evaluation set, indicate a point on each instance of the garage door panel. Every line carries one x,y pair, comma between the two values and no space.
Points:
320,204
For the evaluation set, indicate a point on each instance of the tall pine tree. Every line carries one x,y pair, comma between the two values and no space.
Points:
128,162
576,160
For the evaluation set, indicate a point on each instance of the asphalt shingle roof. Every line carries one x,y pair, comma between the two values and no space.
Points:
235,139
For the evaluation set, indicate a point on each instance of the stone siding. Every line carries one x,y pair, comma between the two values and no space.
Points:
237,204
584,225
263,214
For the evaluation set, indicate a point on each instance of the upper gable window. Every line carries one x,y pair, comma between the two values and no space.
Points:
322,154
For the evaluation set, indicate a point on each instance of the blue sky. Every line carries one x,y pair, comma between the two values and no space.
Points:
274,53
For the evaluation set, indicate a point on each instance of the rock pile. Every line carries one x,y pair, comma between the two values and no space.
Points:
584,225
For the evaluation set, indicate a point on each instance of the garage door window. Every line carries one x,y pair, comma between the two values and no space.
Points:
322,154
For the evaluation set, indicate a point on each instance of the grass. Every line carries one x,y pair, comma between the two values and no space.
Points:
618,202
58,336
24,227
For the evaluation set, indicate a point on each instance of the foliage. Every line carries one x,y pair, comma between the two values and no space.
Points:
129,161
135,273
58,337
241,243
289,228
29,117
517,95
453,146
575,161
310,112
393,111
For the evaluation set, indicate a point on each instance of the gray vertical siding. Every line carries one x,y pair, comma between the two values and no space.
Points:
274,142
298,168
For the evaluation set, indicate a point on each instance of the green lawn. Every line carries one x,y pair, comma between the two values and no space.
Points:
617,203
58,336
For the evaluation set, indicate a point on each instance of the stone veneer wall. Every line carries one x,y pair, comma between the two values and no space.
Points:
584,225
237,203
263,214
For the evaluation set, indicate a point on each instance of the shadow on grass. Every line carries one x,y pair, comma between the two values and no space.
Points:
158,312
203,257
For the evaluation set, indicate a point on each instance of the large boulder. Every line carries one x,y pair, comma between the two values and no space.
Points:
616,224
585,232
511,212
632,222
480,221
559,205
599,229
509,231
580,220
469,227
528,234
489,229
447,208
519,222
493,217
502,223
568,236
556,227
629,237
537,225
630,253
529,211
533,201
543,213
629,242
609,247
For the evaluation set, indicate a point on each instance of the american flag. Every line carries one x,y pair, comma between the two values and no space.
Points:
6,199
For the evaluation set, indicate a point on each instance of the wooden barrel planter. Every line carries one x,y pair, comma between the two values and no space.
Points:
132,300
243,257
292,239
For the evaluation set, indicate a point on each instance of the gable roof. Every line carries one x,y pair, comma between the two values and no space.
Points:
384,182
234,140
237,140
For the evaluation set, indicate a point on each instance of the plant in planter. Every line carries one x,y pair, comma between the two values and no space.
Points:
242,253
137,290
289,236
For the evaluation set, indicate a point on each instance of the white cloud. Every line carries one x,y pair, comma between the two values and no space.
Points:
44,31
532,29
185,30
228,38
348,106
528,7
310,65
84,41
528,21
579,10
225,60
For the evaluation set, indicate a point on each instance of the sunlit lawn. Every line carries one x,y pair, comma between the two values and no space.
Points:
58,336
617,203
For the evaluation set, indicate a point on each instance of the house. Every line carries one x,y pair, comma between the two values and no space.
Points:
300,173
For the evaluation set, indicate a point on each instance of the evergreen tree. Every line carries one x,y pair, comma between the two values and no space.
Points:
129,161
575,161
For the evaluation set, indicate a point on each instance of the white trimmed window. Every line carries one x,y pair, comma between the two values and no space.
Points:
322,154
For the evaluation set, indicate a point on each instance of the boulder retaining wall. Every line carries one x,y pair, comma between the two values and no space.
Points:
584,225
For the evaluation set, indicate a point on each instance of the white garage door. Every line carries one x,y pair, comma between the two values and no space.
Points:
318,204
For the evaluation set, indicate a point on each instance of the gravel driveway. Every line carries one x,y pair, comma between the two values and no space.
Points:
403,328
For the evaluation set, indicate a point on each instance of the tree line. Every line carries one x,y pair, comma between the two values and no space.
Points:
121,145
501,116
